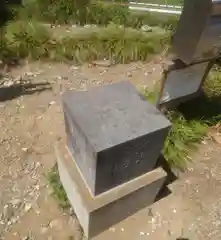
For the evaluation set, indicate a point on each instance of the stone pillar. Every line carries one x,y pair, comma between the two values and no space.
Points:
108,167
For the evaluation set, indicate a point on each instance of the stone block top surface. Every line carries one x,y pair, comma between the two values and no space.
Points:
113,114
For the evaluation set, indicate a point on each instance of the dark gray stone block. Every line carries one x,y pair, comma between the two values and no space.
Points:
183,84
97,214
114,134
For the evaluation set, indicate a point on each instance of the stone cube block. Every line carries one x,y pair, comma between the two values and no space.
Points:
113,133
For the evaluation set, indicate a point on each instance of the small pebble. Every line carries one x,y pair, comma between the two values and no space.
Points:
18,79
112,229
28,207
52,103
25,238
59,77
57,224
29,74
8,83
38,164
129,74
24,149
14,220
74,68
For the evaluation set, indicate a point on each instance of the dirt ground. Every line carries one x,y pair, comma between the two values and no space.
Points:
31,122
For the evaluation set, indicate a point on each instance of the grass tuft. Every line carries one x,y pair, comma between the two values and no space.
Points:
58,191
27,39
184,134
212,86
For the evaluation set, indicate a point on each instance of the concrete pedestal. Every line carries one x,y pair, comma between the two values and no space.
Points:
98,213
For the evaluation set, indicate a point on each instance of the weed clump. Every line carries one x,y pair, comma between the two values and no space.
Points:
58,191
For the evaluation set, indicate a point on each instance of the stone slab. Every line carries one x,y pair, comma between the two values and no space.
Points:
113,133
97,214
183,83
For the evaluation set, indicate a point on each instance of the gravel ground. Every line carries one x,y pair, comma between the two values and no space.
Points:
31,122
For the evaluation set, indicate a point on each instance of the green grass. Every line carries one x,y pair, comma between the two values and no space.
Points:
191,121
213,85
182,137
58,191
30,39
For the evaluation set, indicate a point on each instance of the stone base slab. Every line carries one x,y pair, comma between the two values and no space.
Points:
97,214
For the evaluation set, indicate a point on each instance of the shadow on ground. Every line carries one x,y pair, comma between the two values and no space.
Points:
5,11
19,89
171,177
202,108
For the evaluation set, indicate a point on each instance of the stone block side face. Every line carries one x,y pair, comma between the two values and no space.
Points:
73,195
124,162
81,149
115,212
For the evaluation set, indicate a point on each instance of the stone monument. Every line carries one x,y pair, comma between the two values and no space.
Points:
108,166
